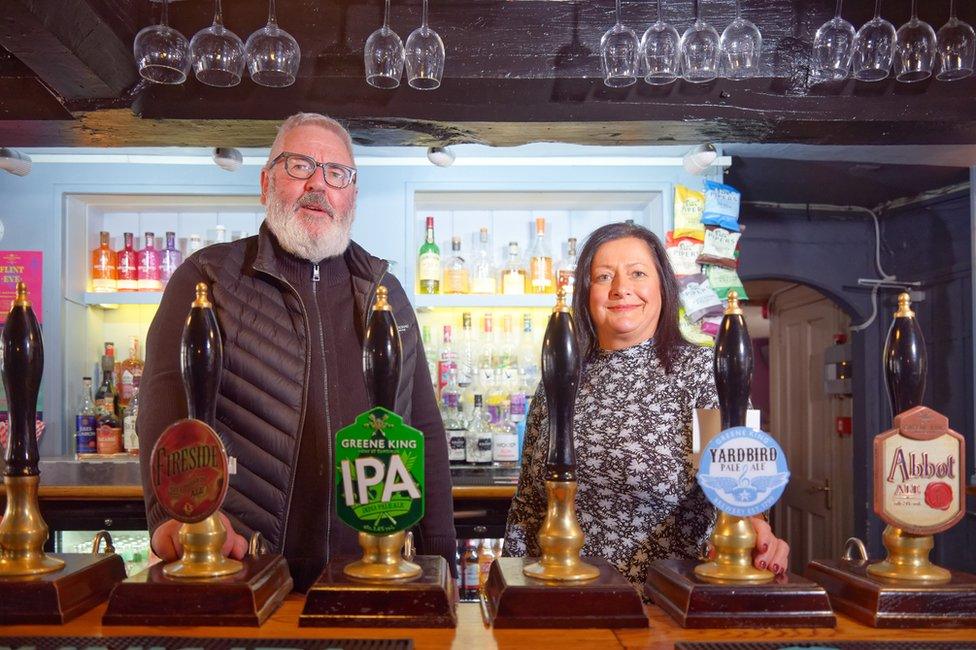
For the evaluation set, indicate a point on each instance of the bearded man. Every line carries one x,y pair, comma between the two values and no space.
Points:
292,304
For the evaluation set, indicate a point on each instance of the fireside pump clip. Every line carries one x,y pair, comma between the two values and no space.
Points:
189,476
36,587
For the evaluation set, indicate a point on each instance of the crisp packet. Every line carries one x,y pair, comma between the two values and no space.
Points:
723,280
719,247
721,206
711,325
691,332
688,206
683,254
698,298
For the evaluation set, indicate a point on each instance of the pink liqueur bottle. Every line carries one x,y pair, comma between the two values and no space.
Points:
150,273
128,274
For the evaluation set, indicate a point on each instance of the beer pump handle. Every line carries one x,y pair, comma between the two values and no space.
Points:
561,365
904,359
382,356
733,365
201,359
23,365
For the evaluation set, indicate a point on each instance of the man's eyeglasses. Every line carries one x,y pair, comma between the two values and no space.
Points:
301,167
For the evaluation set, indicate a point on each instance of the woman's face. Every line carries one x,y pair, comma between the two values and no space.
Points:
625,293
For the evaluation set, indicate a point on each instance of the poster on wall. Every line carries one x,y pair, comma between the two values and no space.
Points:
27,267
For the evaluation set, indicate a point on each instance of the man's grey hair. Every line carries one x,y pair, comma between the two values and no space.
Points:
309,119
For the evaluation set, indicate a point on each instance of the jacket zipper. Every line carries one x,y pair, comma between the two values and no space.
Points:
301,414
328,418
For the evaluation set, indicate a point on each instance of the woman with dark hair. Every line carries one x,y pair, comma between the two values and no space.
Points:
638,499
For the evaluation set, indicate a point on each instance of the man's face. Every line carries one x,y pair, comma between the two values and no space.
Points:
310,218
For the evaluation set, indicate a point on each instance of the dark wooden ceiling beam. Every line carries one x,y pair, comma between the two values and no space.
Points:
71,46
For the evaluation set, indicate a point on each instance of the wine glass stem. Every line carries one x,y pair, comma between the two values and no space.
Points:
660,17
424,24
952,9
218,14
272,14
737,9
914,11
618,12
386,14
164,19
840,3
877,8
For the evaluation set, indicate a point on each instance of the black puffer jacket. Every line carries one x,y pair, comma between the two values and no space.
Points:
264,385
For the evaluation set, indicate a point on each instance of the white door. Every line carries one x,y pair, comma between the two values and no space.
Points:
815,514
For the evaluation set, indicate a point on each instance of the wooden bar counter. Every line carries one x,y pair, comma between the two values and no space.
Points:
471,634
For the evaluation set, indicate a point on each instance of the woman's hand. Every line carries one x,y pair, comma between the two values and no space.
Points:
771,552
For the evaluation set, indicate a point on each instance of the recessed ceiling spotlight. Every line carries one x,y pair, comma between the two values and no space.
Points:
14,162
440,156
228,158
699,159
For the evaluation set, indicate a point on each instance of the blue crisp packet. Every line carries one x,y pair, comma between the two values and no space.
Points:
721,206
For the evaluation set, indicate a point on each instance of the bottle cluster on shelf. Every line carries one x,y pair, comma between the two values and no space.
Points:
534,273
145,269
106,419
474,557
484,383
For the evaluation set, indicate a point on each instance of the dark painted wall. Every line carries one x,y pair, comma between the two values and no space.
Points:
830,252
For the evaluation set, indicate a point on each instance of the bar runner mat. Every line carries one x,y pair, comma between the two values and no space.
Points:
193,643
832,645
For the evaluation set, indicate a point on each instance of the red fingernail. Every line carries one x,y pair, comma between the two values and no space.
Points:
762,565
774,568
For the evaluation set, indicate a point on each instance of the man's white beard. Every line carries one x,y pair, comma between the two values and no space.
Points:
283,221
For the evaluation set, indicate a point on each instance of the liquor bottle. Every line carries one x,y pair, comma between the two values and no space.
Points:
482,269
487,356
220,234
108,431
518,399
129,437
451,393
455,271
479,435
171,258
431,353
105,396
529,356
85,421
507,356
130,372
466,354
148,260
566,275
456,428
128,266
513,275
104,265
485,557
193,244
447,361
505,444
470,571
429,262
496,397
540,261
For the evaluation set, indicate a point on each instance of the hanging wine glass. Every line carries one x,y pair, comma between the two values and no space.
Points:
273,55
383,55
162,53
217,53
741,48
424,57
660,49
833,45
699,51
956,44
914,49
620,54
874,47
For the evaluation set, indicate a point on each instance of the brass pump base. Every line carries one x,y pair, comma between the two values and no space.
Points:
733,539
23,531
561,538
908,559
202,558
382,559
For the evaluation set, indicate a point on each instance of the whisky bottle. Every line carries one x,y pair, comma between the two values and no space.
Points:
513,275
429,262
455,271
540,261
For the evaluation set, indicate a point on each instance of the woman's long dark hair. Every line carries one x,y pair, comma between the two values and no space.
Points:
667,338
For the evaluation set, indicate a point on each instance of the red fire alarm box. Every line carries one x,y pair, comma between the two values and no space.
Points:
843,426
